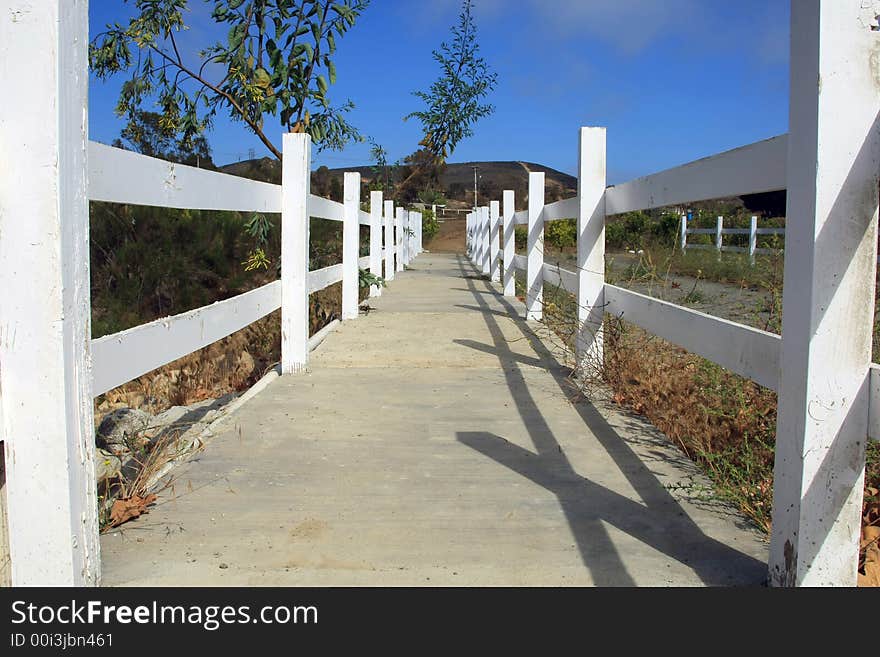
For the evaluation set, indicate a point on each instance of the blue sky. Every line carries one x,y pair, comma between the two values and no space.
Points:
672,80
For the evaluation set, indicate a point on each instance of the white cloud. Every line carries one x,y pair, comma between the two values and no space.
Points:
628,25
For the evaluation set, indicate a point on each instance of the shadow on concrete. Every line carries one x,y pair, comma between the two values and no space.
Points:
659,521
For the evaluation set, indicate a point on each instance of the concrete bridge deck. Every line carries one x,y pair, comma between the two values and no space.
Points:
433,442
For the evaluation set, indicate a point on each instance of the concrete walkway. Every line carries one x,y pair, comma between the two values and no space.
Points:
433,443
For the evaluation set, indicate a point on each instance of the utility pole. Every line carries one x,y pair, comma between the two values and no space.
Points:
475,186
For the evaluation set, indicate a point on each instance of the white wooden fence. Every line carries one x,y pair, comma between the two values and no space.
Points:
829,391
720,231
50,369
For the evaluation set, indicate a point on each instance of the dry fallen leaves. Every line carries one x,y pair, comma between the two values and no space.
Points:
869,573
126,509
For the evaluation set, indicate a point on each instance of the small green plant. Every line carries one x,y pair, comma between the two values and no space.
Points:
367,279
256,260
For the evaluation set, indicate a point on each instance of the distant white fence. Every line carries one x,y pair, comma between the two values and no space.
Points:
720,231
829,391
50,368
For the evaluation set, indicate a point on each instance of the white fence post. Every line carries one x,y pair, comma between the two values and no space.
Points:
684,232
47,421
419,228
376,240
485,229
494,242
509,275
410,235
753,239
467,235
295,186
351,228
719,232
535,253
398,229
828,297
591,244
389,240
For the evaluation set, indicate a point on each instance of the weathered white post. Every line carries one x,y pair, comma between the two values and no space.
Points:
407,237
753,239
467,235
509,275
398,229
46,405
719,226
494,242
295,186
828,298
351,227
485,226
684,232
535,248
419,227
389,240
376,240
591,245
413,215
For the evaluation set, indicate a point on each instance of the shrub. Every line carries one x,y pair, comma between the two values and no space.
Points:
430,226
562,233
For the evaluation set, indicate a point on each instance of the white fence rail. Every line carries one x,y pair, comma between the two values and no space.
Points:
829,395
720,231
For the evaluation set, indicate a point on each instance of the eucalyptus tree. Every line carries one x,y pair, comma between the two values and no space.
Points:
276,60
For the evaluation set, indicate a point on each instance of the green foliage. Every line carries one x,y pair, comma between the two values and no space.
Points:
635,230
258,227
256,260
366,279
147,133
276,60
453,102
561,234
520,237
151,262
430,225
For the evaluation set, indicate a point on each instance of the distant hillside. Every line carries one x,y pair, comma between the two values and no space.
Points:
457,179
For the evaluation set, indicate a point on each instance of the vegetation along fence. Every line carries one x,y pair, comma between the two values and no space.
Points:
829,391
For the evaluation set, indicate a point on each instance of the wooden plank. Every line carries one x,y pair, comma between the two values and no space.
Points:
520,262
324,208
559,277
746,351
507,237
48,429
874,403
828,297
123,356
701,231
588,284
120,176
735,249
564,209
363,217
770,231
321,278
521,218
350,244
535,249
296,198
751,169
